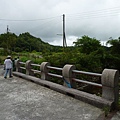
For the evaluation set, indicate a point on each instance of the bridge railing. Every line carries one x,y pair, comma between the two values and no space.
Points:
88,74
53,74
109,77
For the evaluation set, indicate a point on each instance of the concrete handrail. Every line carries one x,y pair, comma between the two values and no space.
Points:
109,78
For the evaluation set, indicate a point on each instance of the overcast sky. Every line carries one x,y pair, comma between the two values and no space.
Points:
44,18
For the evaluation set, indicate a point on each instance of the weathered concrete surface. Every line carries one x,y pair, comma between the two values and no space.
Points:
116,116
24,100
82,96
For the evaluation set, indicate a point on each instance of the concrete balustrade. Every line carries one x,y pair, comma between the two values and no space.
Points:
29,68
68,75
44,70
17,65
109,81
110,88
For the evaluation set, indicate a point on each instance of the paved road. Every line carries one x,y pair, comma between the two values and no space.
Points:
1,70
24,100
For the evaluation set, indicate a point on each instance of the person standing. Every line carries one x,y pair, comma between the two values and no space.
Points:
8,66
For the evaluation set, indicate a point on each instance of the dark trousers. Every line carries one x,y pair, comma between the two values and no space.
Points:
8,71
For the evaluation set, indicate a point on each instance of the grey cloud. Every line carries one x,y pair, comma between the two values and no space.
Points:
99,19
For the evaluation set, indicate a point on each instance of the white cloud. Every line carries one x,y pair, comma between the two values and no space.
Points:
99,19
57,42
70,40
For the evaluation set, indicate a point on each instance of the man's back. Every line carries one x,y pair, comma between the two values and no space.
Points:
8,63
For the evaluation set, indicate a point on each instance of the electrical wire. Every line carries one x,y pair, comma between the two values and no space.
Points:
96,11
47,24
95,14
23,20
87,15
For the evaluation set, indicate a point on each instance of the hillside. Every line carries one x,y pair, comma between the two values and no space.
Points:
25,42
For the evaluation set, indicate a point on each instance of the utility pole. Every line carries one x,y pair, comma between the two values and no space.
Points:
64,37
7,29
7,42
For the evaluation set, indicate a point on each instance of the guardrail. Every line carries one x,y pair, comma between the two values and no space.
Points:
109,81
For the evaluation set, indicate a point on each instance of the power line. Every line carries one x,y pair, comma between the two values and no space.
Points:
92,16
95,14
47,24
96,11
28,20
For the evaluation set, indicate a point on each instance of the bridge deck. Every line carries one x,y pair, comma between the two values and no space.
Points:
24,100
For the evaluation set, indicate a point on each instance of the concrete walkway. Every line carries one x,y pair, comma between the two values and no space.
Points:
116,116
24,100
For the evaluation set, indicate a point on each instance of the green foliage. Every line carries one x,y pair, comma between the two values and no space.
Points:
2,58
89,62
25,42
115,45
1,51
24,59
87,44
106,110
1,61
8,41
87,53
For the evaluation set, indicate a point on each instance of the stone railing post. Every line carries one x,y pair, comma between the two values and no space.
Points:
17,65
44,70
68,75
110,88
29,67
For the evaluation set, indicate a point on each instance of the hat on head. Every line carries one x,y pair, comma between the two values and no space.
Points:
8,56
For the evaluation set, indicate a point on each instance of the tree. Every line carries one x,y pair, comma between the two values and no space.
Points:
115,45
87,44
8,41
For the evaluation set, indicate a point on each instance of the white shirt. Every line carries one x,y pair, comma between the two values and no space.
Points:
8,63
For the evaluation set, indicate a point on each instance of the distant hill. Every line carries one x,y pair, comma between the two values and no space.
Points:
25,42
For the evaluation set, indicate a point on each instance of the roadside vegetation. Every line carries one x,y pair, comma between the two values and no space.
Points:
87,54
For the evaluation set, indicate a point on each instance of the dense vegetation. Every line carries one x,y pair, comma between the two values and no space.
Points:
87,53
24,42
